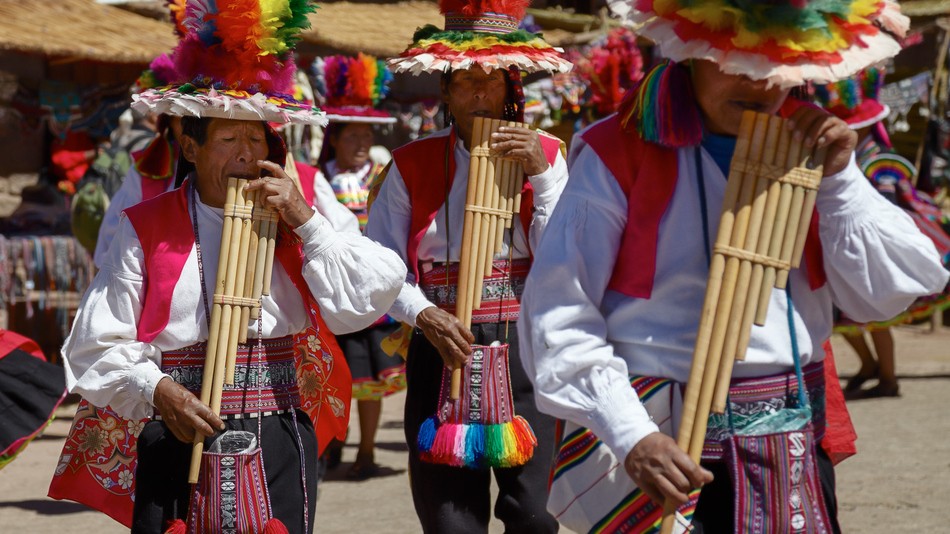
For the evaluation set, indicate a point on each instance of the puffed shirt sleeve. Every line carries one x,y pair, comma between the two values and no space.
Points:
548,187
339,216
353,279
388,225
104,362
576,374
876,259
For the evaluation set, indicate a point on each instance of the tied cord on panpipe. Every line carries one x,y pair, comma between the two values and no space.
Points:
245,266
767,209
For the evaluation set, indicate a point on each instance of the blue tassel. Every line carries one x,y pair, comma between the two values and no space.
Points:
427,434
474,445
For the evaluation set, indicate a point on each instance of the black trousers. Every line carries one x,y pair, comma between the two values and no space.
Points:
457,500
162,492
714,511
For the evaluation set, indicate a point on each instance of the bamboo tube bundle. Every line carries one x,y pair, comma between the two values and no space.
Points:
491,202
243,276
766,211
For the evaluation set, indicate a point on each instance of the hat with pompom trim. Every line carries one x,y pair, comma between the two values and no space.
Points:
479,32
352,87
786,42
234,60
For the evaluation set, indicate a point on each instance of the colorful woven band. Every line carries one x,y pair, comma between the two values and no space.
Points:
274,373
482,23
501,290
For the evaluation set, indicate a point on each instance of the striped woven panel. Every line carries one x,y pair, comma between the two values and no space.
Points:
590,490
776,483
273,373
231,496
501,290
485,395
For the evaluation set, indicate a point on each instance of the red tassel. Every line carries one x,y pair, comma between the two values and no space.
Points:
177,527
275,526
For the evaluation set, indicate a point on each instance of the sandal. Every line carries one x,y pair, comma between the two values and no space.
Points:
855,382
363,468
882,389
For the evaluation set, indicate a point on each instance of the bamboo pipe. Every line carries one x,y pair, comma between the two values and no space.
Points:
217,312
727,295
710,308
794,219
766,234
817,163
494,201
777,243
251,274
463,294
737,325
483,236
240,311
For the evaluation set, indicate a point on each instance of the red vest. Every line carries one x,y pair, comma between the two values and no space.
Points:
422,166
648,179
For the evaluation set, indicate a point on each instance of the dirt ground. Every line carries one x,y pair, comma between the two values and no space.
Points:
897,483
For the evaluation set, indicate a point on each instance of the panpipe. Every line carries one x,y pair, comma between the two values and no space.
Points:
245,265
766,212
492,200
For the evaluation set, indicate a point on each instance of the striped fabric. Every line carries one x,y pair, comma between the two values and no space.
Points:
497,23
590,490
501,290
486,389
776,482
274,373
231,496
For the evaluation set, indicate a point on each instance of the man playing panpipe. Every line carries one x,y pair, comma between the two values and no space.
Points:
419,213
617,289
138,342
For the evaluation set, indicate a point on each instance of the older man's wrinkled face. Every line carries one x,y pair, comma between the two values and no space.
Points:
475,93
723,97
231,148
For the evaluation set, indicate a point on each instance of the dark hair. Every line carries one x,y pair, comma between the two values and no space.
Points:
196,128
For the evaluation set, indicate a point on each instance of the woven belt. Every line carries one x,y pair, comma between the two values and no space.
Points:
265,383
501,290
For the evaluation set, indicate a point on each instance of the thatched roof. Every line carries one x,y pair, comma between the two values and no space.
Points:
380,29
925,8
82,29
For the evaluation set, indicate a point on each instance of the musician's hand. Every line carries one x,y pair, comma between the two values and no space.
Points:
663,471
520,144
447,334
821,129
280,192
183,413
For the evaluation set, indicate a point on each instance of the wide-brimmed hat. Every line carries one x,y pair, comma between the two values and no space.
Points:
855,100
787,42
351,87
479,32
234,60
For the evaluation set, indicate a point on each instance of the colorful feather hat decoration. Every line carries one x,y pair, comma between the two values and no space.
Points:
787,42
854,100
479,32
234,60
352,87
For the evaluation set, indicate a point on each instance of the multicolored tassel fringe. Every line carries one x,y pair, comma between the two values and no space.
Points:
662,108
476,445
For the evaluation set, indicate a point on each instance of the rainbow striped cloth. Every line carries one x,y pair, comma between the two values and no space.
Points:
591,491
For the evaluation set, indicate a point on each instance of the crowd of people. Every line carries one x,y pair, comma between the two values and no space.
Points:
565,382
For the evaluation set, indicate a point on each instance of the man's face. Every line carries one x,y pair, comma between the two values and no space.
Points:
352,144
474,93
723,97
232,148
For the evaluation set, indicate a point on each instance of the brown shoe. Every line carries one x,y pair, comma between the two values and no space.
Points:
855,382
882,389
363,468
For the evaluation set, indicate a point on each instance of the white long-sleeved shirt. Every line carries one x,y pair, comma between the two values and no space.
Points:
130,194
580,341
353,280
389,223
